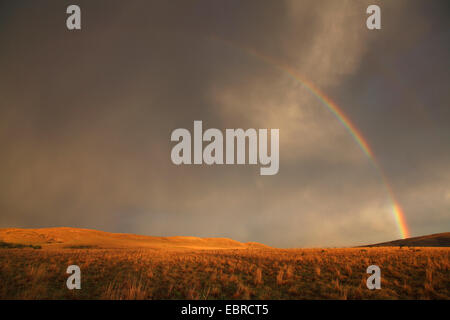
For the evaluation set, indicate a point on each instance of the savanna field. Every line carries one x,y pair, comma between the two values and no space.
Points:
250,273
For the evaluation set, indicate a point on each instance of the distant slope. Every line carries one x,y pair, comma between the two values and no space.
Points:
85,238
433,240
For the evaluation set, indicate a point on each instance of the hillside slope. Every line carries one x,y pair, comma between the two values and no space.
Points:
74,237
433,240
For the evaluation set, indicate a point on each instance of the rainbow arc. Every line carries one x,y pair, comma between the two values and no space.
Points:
397,211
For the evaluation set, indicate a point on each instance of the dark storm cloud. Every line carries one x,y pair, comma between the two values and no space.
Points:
86,118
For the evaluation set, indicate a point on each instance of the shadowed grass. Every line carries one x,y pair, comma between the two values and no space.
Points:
8,245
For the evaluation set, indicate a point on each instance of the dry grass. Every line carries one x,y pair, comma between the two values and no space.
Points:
407,273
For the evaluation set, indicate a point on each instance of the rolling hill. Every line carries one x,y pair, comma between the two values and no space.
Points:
65,237
433,240
85,238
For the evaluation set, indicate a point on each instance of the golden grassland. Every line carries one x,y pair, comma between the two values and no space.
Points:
249,273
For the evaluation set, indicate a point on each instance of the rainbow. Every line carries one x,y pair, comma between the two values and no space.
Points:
397,211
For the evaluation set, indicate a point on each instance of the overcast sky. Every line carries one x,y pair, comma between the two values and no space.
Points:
86,117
